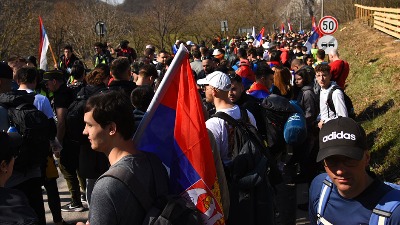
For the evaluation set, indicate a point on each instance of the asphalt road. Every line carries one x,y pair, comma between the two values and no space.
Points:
74,217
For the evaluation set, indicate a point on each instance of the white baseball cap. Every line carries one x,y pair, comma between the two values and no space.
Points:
189,43
218,80
216,52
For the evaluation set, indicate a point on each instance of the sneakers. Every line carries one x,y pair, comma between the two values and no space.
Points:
72,208
83,198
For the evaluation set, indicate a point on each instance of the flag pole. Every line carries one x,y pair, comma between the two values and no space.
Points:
52,54
162,89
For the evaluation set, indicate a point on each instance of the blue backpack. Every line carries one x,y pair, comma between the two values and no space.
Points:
380,214
295,129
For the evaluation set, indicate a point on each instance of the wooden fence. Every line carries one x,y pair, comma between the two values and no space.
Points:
386,20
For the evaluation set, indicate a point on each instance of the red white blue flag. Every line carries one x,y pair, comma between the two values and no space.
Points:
174,129
289,26
258,41
312,39
283,28
43,46
313,24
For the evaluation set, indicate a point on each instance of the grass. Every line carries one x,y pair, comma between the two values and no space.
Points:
373,86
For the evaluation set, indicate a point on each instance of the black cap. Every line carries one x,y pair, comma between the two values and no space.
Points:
53,75
5,71
342,136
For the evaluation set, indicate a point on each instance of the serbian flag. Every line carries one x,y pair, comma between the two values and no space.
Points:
289,26
43,46
258,41
283,28
313,24
312,39
174,129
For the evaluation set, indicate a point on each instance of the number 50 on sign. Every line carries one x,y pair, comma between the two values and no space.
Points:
328,25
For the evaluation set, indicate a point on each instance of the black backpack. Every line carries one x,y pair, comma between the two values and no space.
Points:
248,150
33,125
250,174
347,102
165,210
74,123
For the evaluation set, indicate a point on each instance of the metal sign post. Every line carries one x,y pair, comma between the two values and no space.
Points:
100,29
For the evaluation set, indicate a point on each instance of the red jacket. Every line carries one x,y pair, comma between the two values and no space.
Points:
339,70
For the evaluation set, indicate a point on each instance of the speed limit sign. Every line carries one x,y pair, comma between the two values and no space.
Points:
328,25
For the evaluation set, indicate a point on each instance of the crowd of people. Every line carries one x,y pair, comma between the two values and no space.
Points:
93,114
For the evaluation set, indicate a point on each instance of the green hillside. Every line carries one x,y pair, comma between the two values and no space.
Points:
373,85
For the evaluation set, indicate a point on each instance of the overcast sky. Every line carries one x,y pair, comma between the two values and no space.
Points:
113,2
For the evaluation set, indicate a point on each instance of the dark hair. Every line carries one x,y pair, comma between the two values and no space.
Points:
275,55
307,74
252,51
69,47
104,67
141,97
78,71
148,70
321,54
32,59
323,68
263,71
282,78
96,76
27,75
119,66
242,53
99,44
196,54
113,106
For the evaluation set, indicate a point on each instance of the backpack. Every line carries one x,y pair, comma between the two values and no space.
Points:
248,150
165,210
32,124
295,129
382,211
347,102
250,174
74,124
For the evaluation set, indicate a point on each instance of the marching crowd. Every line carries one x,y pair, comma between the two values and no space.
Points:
88,118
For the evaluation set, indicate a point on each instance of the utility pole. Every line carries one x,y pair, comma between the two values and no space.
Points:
322,8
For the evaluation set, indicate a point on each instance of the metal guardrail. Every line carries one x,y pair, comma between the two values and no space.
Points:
386,20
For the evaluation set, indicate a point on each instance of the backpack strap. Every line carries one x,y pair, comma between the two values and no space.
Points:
125,176
326,190
385,207
329,100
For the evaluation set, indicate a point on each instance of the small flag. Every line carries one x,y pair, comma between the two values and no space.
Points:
258,41
312,39
313,24
43,46
174,129
253,32
283,28
290,26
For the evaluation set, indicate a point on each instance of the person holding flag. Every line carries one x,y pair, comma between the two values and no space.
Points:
258,41
174,129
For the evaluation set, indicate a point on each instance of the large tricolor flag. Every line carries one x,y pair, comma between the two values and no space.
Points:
43,46
174,129
258,41
313,24
283,28
312,39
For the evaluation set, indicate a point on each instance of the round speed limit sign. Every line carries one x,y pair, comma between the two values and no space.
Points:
328,25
